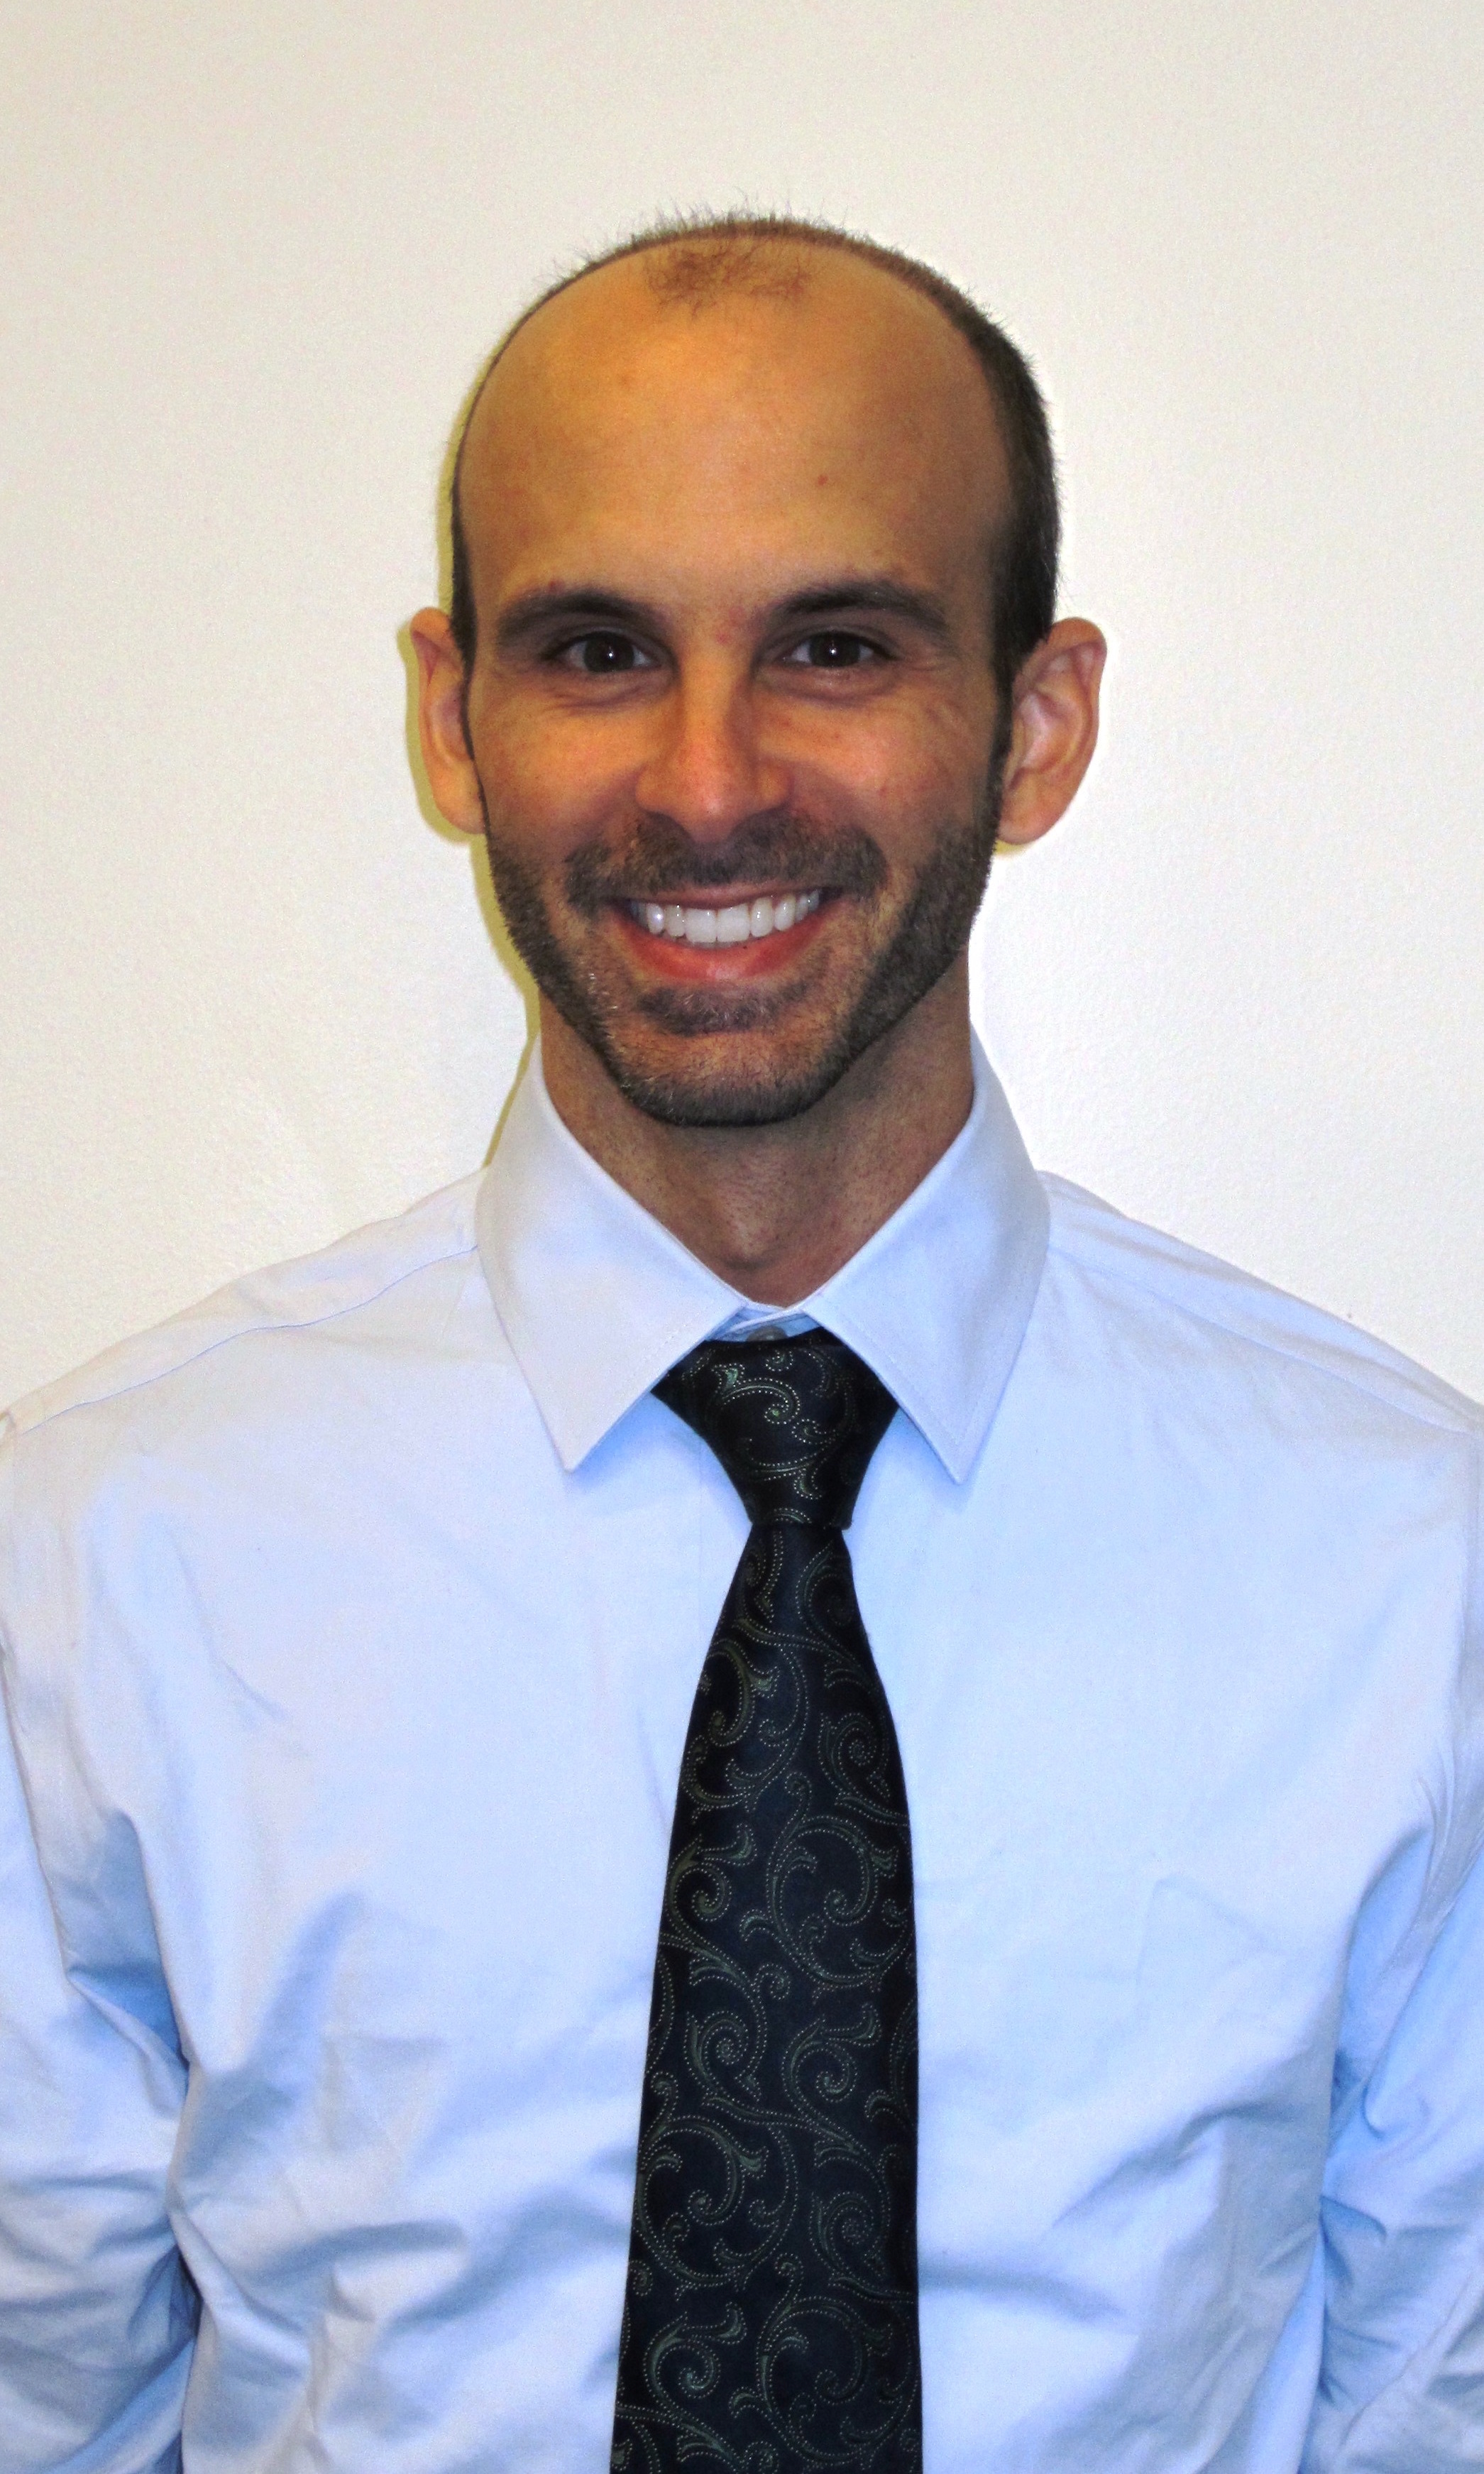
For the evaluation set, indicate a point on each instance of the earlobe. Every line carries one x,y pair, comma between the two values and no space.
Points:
1055,717
440,723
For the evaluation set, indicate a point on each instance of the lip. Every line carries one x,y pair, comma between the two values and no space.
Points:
674,958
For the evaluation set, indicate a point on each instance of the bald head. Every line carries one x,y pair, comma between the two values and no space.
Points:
791,321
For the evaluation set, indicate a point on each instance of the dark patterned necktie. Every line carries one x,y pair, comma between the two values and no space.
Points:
771,2318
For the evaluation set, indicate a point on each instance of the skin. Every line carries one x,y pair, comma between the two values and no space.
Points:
730,567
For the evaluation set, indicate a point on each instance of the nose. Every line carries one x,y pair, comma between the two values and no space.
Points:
706,771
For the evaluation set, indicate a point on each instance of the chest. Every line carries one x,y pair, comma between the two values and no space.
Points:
423,1782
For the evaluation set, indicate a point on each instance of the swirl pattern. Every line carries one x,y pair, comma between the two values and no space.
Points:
771,2316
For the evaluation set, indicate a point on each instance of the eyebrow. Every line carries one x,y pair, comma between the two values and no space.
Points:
881,592
535,610
829,598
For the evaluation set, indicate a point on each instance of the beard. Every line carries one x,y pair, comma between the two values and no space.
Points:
926,937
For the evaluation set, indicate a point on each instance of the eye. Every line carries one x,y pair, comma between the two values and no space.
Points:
603,654
833,648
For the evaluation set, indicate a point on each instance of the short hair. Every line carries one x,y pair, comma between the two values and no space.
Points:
713,255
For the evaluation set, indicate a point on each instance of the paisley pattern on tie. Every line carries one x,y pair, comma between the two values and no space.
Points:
771,2318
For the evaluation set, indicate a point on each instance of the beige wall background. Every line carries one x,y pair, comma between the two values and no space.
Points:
251,257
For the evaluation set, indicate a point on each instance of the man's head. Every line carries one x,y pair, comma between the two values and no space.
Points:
751,563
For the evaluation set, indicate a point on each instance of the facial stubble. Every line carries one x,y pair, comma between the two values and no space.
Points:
929,933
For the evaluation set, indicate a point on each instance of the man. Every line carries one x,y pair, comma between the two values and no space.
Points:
757,1793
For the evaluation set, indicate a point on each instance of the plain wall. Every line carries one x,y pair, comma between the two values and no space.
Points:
253,256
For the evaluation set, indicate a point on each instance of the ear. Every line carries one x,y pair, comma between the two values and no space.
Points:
1055,729
446,749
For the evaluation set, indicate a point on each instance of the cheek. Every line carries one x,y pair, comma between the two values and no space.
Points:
548,789
901,782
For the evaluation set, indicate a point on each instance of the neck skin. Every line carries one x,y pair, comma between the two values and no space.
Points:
775,1209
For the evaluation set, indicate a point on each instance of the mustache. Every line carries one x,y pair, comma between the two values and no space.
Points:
658,855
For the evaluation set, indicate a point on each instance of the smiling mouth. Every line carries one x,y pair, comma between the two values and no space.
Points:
737,923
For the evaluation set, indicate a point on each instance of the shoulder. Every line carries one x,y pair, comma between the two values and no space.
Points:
1183,1311
396,1274
1321,1490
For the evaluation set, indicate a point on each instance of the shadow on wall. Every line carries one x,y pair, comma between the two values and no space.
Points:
489,911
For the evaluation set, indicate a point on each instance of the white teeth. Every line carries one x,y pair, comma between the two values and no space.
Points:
738,923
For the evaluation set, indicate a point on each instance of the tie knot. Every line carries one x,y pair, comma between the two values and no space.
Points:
793,1423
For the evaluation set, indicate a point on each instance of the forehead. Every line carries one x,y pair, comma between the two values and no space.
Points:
819,410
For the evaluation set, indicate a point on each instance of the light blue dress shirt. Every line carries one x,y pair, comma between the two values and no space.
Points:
350,1628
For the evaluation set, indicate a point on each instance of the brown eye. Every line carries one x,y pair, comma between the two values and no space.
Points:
603,654
833,649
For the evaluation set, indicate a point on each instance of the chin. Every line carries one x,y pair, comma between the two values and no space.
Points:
718,1091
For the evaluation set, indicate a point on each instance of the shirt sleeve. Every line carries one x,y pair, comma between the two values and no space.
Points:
1401,2378
97,2316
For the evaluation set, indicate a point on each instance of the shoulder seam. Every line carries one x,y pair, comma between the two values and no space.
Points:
1353,1377
8,1424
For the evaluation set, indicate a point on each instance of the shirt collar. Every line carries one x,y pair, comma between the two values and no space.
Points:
598,1300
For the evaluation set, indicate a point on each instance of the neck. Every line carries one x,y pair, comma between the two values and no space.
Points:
775,1209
